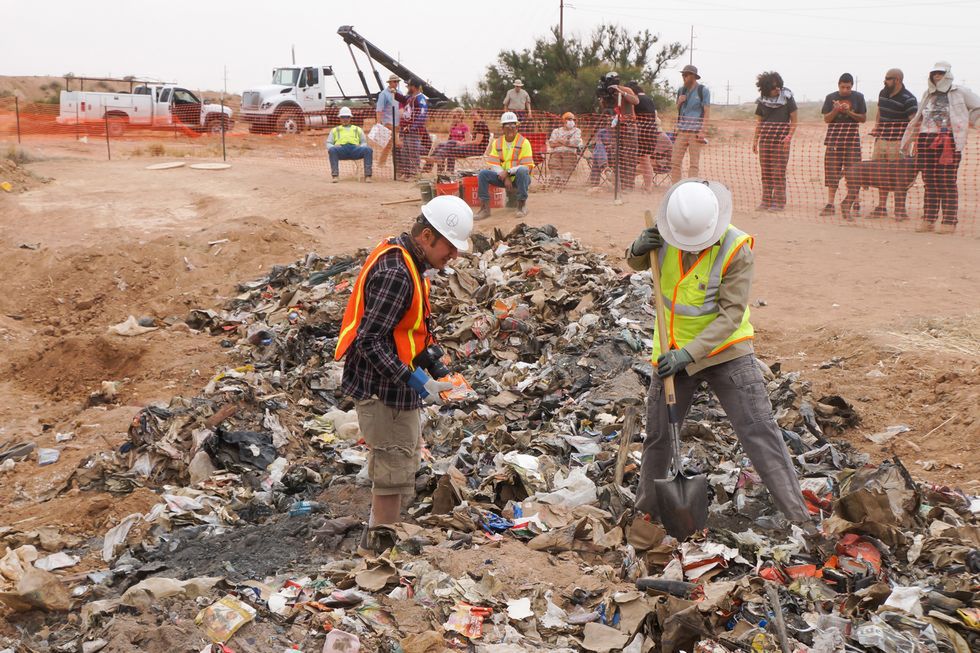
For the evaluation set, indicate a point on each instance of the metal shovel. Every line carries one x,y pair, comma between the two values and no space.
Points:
681,499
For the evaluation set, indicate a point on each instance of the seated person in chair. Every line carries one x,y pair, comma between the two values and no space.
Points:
511,161
347,142
564,145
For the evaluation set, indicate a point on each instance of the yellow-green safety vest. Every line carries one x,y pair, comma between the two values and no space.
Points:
691,297
349,135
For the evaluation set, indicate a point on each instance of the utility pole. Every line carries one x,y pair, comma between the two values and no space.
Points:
728,91
561,23
294,53
690,48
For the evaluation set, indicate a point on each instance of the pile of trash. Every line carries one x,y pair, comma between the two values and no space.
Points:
522,533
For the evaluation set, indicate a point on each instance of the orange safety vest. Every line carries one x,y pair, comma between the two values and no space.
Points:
411,333
515,153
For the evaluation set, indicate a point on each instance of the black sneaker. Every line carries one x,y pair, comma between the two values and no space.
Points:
827,210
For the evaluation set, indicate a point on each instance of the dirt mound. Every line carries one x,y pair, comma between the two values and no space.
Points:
71,366
921,374
19,177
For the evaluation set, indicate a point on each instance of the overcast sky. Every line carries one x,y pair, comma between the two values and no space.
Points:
450,43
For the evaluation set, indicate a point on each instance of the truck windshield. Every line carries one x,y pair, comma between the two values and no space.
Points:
285,76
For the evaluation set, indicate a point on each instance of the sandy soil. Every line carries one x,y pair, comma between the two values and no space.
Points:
888,319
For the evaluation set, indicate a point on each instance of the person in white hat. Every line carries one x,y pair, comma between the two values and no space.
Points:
705,276
936,137
518,100
510,162
386,112
347,142
385,327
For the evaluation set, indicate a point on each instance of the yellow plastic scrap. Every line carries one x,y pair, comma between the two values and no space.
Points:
7,186
970,617
244,369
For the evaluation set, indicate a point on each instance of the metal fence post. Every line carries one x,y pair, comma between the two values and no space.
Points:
394,143
616,178
107,150
224,154
17,112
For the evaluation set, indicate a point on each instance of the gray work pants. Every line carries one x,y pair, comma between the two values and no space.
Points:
742,392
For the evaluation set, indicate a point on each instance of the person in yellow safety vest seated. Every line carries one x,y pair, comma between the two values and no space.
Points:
347,142
385,327
511,162
705,275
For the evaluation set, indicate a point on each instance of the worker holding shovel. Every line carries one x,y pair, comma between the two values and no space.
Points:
702,278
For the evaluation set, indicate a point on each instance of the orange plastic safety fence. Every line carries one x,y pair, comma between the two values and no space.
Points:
873,184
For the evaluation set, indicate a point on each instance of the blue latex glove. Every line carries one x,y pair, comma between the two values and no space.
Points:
672,362
427,387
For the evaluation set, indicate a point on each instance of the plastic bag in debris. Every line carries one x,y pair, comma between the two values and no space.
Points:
571,491
242,448
878,634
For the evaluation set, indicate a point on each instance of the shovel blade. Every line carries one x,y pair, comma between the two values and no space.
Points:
683,504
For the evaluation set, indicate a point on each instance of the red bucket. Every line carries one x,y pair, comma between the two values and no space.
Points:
498,197
447,189
471,187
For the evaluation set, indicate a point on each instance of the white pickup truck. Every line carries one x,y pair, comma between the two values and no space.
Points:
297,99
151,105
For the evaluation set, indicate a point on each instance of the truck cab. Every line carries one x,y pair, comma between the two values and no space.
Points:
296,99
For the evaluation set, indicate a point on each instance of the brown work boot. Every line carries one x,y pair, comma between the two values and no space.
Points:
926,225
484,212
946,228
521,209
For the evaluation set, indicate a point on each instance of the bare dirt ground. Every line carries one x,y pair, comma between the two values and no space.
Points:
887,319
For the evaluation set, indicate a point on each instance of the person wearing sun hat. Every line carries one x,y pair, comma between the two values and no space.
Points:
518,100
706,268
936,137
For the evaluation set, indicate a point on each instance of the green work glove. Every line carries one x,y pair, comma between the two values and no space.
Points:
648,240
673,362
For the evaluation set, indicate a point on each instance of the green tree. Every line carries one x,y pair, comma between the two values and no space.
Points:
561,75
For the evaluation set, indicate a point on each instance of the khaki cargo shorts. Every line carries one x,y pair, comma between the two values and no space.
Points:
887,150
395,441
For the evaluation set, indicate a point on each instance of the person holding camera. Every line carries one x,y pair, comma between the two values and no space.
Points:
621,100
843,110
385,335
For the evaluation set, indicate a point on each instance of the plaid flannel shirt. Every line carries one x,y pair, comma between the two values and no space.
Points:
372,367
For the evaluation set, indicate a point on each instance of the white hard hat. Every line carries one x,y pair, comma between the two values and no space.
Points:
345,113
451,217
508,117
694,214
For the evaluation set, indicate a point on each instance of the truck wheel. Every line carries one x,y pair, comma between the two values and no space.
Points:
289,122
116,126
214,126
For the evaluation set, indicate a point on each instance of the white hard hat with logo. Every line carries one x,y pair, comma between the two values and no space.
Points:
451,217
345,113
694,214
509,117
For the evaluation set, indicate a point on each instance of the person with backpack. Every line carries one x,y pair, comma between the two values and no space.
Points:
693,106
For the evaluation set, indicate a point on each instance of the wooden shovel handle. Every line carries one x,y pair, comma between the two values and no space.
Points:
658,300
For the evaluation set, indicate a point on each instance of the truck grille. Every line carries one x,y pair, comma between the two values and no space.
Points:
251,100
